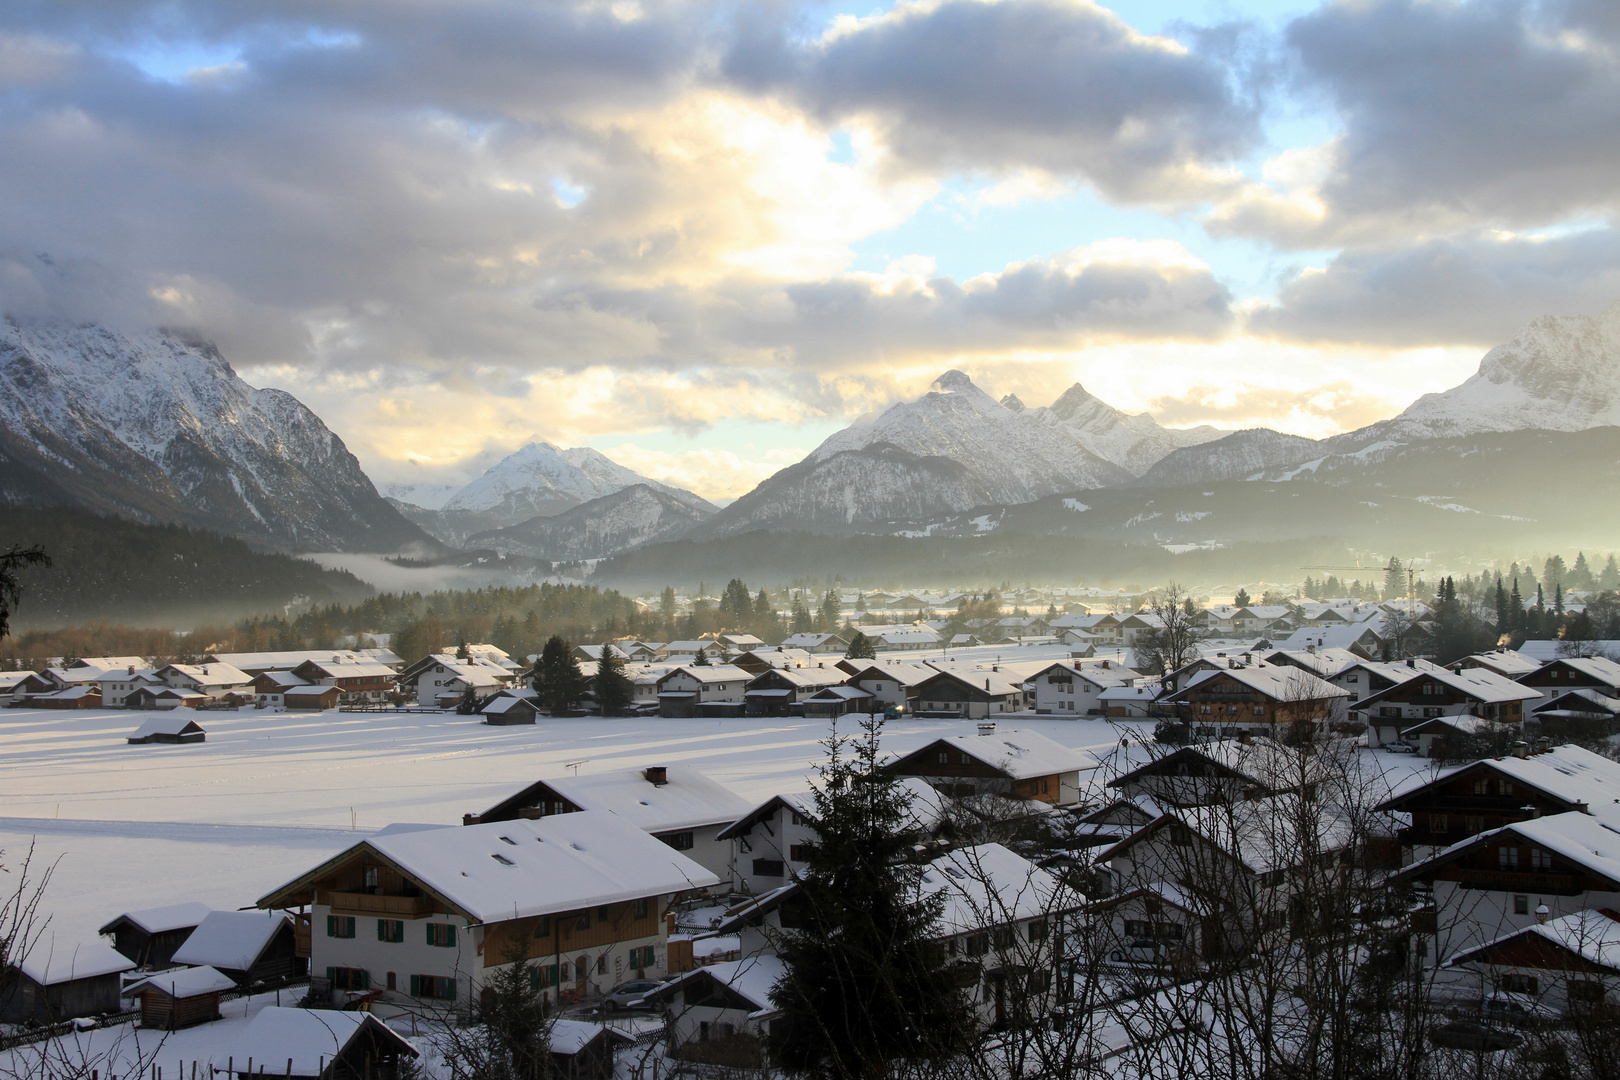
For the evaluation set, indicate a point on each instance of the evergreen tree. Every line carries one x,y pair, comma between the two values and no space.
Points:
766,624
860,648
702,660
1515,623
866,984
1580,575
666,603
1553,571
1242,598
1311,590
468,705
1609,579
832,611
512,1038
10,587
1394,579
614,690
803,621
1558,601
736,602
557,678
1504,617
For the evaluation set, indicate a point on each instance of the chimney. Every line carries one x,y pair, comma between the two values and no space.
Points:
1541,913
1105,665
132,669
987,729
469,819
1521,749
1410,662
657,775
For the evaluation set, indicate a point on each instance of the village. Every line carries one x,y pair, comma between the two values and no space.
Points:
1109,807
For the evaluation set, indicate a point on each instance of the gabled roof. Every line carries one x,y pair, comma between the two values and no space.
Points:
210,674
1260,761
1449,725
906,674
515,869
309,1039
231,940
1594,936
1260,834
803,678
1324,663
48,963
184,982
1584,699
1279,683
1018,754
988,885
1103,677
708,674
993,683
176,723
1565,775
358,669
1575,837
159,919
1509,662
686,799
1480,684
1601,668
927,808
751,978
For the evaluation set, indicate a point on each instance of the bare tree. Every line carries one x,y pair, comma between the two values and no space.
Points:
1173,641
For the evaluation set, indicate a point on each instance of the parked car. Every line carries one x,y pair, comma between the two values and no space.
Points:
1398,748
1515,1010
628,995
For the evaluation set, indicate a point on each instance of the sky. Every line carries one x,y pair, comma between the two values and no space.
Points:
701,237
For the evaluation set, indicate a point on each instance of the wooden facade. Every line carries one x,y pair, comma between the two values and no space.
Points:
159,1010
944,760
1470,801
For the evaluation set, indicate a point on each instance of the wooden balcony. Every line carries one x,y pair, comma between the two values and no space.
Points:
1518,881
301,944
352,903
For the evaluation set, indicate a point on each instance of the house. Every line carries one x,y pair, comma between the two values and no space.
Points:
676,804
249,946
1440,692
1510,878
169,729
358,683
214,681
165,697
1135,701
1569,965
1323,663
150,936
269,688
817,643
72,697
15,685
1361,638
52,983
1218,773
593,653
1586,709
440,680
721,1013
833,701
1073,689
736,643
1442,735
1556,677
687,651
702,690
1507,662
257,663
308,1044
759,660
891,683
509,708
777,691
1133,628
582,1050
117,685
969,696
1159,924
1011,763
425,916
1256,698
904,639
180,998
1494,792
1259,619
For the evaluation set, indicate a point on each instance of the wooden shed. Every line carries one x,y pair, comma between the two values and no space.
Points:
505,710
310,1044
175,999
174,728
54,983
581,1050
150,936
311,697
249,946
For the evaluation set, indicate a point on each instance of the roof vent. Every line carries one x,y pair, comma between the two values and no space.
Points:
657,775
1411,662
987,729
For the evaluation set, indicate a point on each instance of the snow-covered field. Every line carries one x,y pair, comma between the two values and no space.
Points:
269,794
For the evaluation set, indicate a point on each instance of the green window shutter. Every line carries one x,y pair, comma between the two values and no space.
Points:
534,980
382,926
452,929
331,926
331,974
365,980
416,986
348,926
450,987
429,933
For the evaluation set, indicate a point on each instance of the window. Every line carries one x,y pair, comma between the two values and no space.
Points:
391,930
1507,858
604,913
583,922
390,980
601,964
1519,984
542,976
542,927
371,879
441,934
1540,860
1439,823
799,852
640,908
681,841
1259,710
944,758
1037,930
340,926
798,818
433,986
977,945
768,868
349,978
1587,991
1475,823
1521,905
644,957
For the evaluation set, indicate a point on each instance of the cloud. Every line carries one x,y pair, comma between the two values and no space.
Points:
1453,116
1478,288
716,474
968,85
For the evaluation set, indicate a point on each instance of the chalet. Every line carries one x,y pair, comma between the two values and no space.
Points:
1140,699
1114,820
676,804
13,685
1256,698
430,913
759,660
269,687
73,697
905,639
817,643
164,697
1160,925
593,653
1596,712
722,1013
1267,619
1597,673
1491,793
1010,763
1217,773
249,946
1323,663
150,936
687,651
214,681
363,683
257,663
891,683
582,1050
703,690
1569,965
1444,736
118,685
1073,689
1133,628
169,729
1361,638
778,691
835,701
52,983
308,1044
1508,663
1440,692
441,679
180,998
1511,878
736,643
970,695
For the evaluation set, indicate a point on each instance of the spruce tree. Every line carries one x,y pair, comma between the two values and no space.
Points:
1580,575
1242,598
831,611
1609,578
1394,579
10,587
557,678
614,690
866,986
860,648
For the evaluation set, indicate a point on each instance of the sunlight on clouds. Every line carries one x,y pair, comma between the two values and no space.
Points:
714,473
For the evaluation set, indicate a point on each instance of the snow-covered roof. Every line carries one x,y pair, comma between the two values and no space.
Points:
185,982
49,963
232,940
1481,684
685,799
304,1041
1594,936
1095,673
692,647
1601,668
281,679
209,674
172,724
838,693
158,919
1018,753
812,641
1449,725
1263,834
902,672
1324,663
1562,702
708,674
1579,838
988,885
806,677
1283,683
286,661
1547,650
1338,636
994,683
351,669
565,1036
1509,662
751,978
515,869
